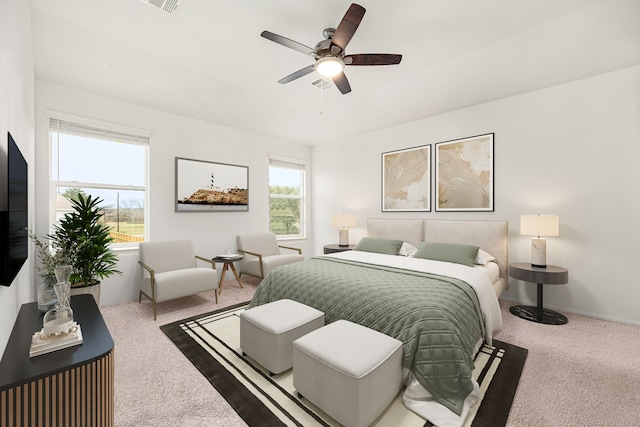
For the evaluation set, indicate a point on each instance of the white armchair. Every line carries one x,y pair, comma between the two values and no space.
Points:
262,254
169,271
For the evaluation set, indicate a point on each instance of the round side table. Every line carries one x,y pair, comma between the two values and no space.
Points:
227,261
549,275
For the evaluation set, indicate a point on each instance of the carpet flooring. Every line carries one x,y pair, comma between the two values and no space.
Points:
584,373
211,343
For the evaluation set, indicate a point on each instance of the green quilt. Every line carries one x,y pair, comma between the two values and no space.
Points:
437,318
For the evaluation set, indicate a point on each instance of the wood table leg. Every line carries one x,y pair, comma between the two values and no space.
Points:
224,269
233,268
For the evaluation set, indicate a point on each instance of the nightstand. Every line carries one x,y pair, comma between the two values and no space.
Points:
549,275
330,249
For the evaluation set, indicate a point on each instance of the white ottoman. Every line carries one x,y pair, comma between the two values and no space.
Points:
349,371
268,331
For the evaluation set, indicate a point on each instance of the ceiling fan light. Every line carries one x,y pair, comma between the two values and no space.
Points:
329,66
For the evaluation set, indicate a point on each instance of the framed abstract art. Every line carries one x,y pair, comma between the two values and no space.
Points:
406,180
464,176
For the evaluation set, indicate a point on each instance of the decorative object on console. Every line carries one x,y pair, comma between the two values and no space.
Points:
49,259
464,174
47,298
406,180
45,341
343,222
540,226
63,285
203,186
58,328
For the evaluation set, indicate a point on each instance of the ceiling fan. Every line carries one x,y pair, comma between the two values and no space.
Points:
329,54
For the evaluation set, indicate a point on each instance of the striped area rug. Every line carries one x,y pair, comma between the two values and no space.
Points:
212,343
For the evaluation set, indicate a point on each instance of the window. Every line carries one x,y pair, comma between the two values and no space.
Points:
109,164
287,197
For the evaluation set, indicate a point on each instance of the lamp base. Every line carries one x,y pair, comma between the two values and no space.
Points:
343,237
534,314
539,253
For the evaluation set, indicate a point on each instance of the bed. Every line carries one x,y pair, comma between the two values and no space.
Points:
441,311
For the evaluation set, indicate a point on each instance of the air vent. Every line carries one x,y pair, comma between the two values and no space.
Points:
322,83
167,5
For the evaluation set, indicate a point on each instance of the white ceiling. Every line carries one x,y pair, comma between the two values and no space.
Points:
209,62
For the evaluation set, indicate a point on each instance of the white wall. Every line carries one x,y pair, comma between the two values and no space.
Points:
571,150
16,116
172,136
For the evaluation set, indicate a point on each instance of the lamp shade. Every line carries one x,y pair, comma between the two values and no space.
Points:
539,225
343,220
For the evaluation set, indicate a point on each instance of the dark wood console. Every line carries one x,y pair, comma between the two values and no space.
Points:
69,387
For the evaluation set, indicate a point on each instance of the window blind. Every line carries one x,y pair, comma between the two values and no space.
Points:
282,162
80,126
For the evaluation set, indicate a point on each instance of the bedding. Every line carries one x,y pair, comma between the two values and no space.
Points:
490,269
484,258
440,311
448,252
407,249
378,245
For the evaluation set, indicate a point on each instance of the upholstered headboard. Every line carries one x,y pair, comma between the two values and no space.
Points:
407,230
489,235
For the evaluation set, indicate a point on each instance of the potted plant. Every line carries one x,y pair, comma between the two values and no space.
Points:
85,238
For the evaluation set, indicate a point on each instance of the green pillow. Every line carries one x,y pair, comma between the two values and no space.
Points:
378,245
448,252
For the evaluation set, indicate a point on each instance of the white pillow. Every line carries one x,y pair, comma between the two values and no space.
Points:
407,250
484,257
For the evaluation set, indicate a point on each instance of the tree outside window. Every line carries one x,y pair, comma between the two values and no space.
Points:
287,199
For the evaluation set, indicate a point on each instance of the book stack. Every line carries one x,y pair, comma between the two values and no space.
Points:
42,344
228,256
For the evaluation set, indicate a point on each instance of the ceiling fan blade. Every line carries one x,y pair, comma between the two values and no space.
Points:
300,73
291,44
341,82
348,26
372,59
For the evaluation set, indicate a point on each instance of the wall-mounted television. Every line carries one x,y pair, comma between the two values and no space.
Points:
14,221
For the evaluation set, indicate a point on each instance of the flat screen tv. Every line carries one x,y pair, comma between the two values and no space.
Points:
15,239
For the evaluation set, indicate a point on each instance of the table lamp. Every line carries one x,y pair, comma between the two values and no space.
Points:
540,226
343,222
